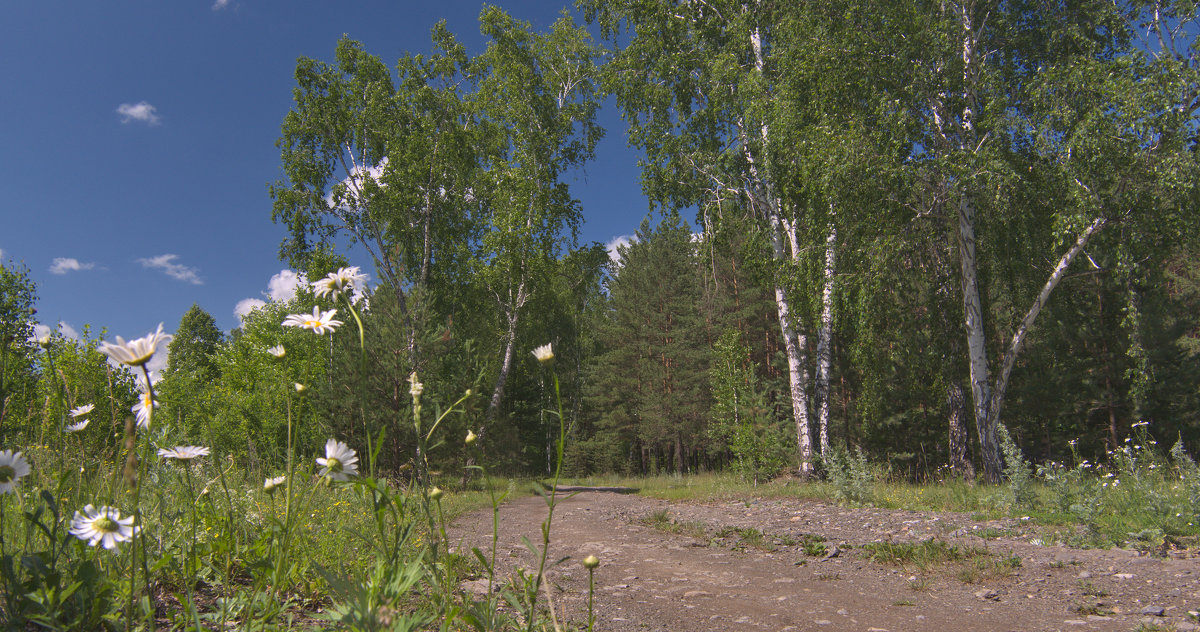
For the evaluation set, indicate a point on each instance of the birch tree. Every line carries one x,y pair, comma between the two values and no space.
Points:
695,82
1005,90
385,159
537,99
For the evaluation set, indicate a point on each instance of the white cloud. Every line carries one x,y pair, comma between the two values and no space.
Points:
63,265
282,286
220,4
66,330
167,264
617,242
141,111
349,187
247,305
1,253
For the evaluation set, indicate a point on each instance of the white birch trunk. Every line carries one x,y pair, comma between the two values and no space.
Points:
510,343
825,340
1018,339
762,195
989,441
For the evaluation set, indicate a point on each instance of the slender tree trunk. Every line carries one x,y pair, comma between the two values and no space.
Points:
985,425
762,195
960,461
510,344
825,340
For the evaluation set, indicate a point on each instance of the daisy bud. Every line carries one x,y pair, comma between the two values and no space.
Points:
471,437
591,562
300,388
436,494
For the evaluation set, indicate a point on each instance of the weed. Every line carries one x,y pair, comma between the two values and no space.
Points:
662,521
1090,589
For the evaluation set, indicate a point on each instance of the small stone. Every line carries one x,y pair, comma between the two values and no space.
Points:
1154,611
1124,575
1096,617
1075,622
696,593
1084,575
988,594
843,612
822,622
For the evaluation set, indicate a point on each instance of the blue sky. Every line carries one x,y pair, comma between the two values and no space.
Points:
139,139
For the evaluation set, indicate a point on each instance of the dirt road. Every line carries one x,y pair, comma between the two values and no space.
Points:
804,565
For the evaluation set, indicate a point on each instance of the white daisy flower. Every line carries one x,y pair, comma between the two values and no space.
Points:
143,408
42,341
13,466
76,427
340,462
183,452
278,351
335,283
318,322
270,484
544,354
104,526
82,410
416,387
135,352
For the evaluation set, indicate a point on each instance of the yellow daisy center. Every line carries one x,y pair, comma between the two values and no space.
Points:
7,473
333,464
104,524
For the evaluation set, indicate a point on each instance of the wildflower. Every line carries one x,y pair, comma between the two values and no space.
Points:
344,280
82,410
43,341
1140,423
76,427
183,452
471,437
143,409
591,562
436,494
278,351
104,526
318,322
417,387
270,484
135,352
544,354
340,462
300,388
13,466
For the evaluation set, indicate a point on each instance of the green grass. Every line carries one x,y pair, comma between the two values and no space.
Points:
969,564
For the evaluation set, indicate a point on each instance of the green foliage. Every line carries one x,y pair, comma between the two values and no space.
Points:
741,419
1017,471
18,377
851,475
244,412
